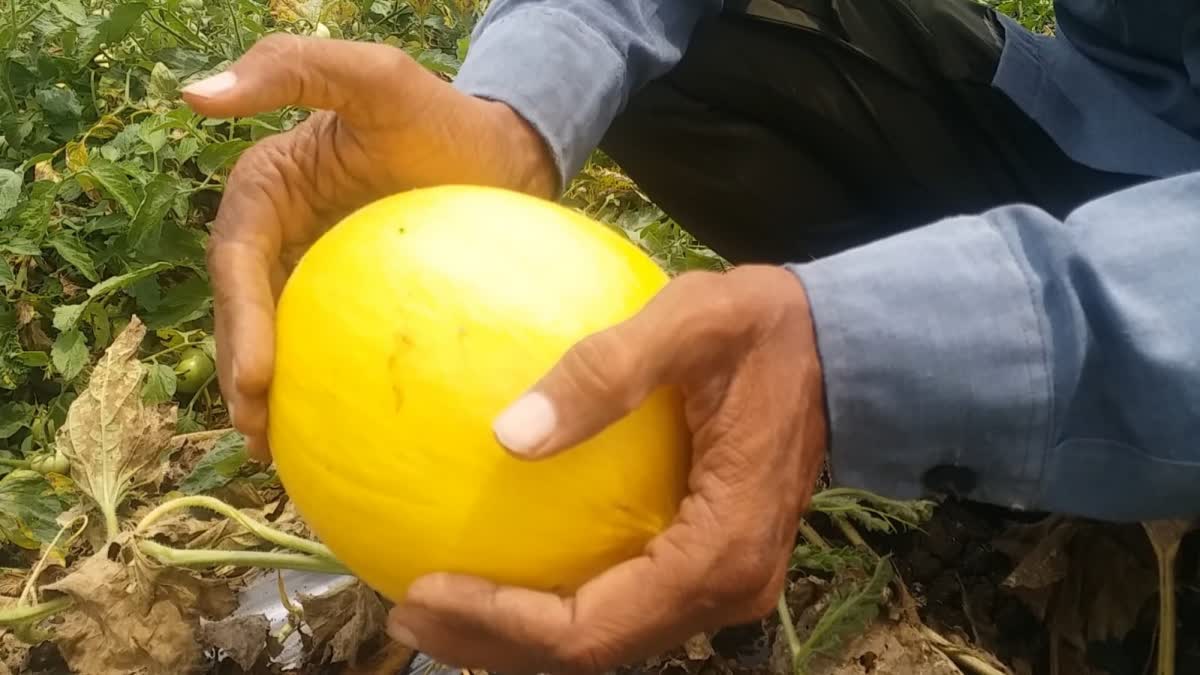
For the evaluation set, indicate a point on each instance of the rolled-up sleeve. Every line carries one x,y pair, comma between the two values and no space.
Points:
1020,359
569,66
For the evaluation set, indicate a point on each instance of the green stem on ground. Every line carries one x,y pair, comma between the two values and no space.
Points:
789,628
812,536
263,559
16,463
264,532
24,614
852,535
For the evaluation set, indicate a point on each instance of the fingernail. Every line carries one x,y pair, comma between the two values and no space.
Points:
402,635
212,86
525,424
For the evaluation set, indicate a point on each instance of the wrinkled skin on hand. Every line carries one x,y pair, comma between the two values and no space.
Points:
740,347
382,124
742,350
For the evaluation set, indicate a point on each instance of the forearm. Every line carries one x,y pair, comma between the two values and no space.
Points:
1052,365
568,67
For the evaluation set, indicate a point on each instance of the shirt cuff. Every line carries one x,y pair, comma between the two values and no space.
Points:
531,59
935,365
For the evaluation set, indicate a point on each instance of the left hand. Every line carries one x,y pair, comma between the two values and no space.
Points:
741,348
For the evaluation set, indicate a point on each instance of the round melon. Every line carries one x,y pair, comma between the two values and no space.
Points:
403,332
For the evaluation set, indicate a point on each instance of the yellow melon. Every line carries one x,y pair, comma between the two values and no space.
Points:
403,332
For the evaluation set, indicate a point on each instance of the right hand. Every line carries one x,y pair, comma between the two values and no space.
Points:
383,124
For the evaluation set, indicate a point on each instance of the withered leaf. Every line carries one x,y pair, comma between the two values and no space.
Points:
342,621
1087,581
698,648
240,638
111,436
118,625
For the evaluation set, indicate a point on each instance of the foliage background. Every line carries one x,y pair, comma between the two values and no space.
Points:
108,184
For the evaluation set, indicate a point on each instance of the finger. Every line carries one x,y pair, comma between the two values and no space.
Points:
289,70
635,610
602,378
247,277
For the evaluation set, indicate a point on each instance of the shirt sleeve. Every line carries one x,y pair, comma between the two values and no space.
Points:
570,66
1021,360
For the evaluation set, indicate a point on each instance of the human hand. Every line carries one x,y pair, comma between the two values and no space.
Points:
384,124
742,350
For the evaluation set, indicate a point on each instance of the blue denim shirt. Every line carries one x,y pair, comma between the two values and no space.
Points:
1055,364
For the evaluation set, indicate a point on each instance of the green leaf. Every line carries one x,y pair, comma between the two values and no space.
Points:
834,560
34,212
112,30
10,190
163,83
185,62
73,251
18,245
29,508
114,181
853,607
72,10
160,383
186,301
14,417
220,155
439,62
59,103
146,227
69,354
66,317
33,359
7,278
218,467
124,280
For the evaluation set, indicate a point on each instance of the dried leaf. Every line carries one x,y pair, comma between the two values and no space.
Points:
1088,582
698,648
240,638
342,621
112,438
118,626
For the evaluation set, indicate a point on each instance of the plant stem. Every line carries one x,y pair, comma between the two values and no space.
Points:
25,614
789,629
112,526
264,532
237,30
163,25
1165,536
261,559
15,463
812,536
853,536
198,436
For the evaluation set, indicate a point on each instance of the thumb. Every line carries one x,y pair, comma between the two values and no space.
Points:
289,70
680,333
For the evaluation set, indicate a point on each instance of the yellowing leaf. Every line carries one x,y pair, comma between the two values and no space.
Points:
112,438
29,506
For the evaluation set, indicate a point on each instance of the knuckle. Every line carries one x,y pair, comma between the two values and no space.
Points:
596,364
746,570
276,45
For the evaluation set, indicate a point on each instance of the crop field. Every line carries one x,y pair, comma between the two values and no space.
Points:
136,537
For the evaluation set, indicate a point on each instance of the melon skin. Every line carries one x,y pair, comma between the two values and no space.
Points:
403,332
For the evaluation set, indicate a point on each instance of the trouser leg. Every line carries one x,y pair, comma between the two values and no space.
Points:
793,129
